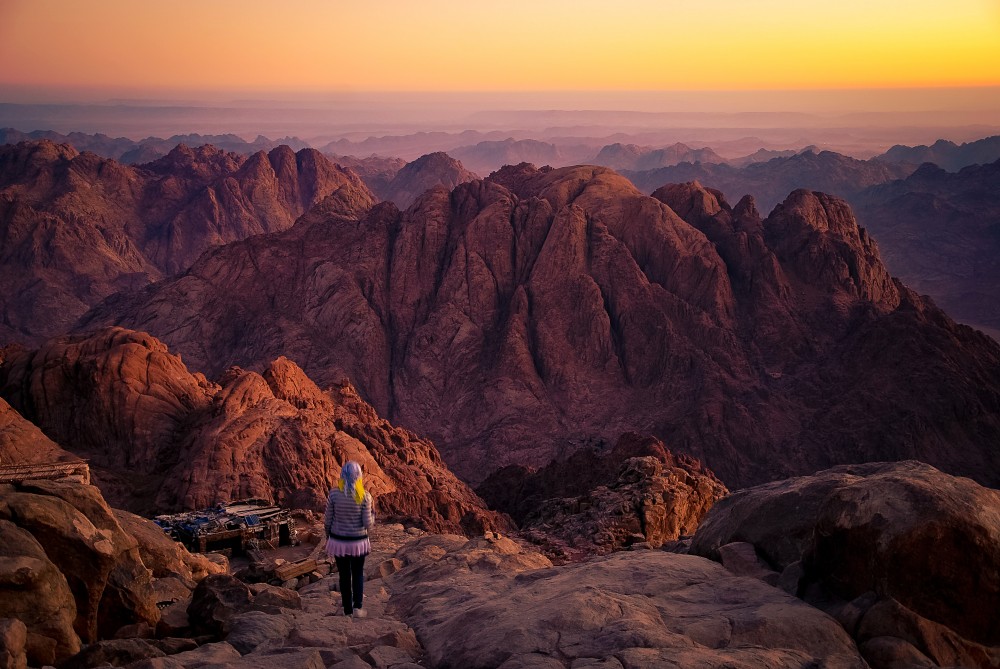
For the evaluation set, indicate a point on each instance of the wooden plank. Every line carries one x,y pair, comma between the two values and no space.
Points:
295,569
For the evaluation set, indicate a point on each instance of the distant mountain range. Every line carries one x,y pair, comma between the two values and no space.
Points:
484,152
940,232
947,155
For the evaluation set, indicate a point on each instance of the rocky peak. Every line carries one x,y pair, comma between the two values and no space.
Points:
202,163
817,238
745,214
692,201
428,171
515,318
26,161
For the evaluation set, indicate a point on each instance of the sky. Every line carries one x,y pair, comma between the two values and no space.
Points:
156,48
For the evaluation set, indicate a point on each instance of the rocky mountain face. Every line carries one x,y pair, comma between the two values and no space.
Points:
159,437
769,182
620,156
597,502
424,173
514,319
947,155
77,228
940,233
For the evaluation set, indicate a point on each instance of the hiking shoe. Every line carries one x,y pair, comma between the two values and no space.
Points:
360,613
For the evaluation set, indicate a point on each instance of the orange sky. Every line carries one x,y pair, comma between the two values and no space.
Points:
332,45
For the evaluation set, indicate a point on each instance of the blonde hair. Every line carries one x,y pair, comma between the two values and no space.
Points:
350,479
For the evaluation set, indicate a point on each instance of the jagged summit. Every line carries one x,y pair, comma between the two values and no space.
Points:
514,317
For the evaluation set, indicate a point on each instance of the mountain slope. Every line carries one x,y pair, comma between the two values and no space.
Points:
516,318
159,437
75,228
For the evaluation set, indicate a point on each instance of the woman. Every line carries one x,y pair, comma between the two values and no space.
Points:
347,521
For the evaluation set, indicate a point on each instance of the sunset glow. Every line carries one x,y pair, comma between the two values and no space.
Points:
319,45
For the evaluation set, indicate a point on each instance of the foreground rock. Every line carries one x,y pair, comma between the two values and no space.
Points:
906,557
598,502
159,437
483,603
70,571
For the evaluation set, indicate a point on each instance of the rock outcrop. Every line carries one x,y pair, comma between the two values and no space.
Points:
22,443
598,502
518,318
905,557
426,172
77,228
159,437
72,573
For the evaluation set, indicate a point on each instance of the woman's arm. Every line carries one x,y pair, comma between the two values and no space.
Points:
328,516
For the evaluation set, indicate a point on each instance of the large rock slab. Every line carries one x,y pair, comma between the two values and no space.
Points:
485,604
862,537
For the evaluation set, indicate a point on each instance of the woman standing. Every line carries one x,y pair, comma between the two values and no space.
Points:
347,521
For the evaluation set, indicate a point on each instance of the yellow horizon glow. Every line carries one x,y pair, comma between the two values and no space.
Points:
441,45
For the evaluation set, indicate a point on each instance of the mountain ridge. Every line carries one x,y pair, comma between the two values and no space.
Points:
511,319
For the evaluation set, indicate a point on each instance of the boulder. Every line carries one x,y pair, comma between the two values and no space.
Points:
35,592
216,600
249,630
220,653
899,543
265,595
115,652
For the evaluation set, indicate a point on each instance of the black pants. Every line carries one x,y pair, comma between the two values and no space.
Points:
352,581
